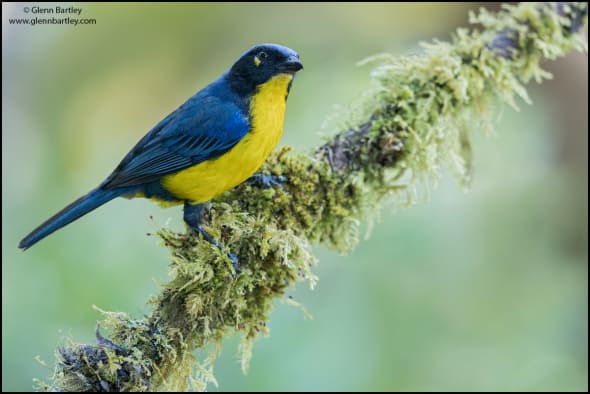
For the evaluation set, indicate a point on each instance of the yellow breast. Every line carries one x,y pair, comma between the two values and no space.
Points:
210,178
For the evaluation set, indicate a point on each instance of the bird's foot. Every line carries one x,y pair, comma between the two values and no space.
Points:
234,259
193,214
264,181
235,263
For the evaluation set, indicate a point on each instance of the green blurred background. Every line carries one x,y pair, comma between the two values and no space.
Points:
485,290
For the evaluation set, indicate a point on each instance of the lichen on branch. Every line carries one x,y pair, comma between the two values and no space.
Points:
416,119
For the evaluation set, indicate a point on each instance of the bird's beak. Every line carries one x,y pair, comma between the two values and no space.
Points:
292,64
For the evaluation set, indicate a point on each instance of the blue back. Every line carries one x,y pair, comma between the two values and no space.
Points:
207,125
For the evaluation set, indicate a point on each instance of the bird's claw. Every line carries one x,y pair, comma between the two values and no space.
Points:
235,263
264,181
234,259
193,216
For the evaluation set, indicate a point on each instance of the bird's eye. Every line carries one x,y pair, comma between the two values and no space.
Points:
262,55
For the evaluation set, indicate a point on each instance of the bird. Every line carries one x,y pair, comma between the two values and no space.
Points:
213,142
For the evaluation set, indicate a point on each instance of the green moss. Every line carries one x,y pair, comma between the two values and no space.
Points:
416,119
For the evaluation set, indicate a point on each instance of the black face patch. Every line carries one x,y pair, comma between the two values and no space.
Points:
257,66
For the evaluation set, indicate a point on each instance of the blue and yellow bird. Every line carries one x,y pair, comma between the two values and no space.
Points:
213,142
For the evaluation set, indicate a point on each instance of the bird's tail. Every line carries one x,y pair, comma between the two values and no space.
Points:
75,210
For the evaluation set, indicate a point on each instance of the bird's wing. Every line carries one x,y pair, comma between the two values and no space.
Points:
202,129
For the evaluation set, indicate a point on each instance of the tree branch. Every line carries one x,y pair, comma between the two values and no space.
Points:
416,119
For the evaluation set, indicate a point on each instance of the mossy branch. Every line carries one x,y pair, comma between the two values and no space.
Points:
416,119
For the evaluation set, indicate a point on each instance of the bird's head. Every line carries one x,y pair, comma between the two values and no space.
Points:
260,63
